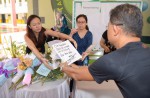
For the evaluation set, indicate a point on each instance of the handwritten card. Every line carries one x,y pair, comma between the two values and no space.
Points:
43,70
66,52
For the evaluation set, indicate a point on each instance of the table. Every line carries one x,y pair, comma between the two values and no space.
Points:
52,89
4,90
90,89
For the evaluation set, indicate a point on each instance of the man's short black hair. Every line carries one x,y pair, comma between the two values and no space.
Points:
129,17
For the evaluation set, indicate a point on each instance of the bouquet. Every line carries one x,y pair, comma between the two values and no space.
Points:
7,68
9,58
29,70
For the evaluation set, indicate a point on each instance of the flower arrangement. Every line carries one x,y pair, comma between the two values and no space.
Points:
27,70
7,68
9,58
25,66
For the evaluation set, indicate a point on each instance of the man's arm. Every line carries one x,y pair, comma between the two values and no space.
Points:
77,72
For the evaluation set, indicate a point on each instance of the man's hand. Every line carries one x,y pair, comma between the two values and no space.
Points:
61,65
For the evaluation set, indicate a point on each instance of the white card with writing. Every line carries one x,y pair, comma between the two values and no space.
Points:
43,70
66,52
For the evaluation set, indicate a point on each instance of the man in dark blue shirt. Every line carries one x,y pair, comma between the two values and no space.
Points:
129,65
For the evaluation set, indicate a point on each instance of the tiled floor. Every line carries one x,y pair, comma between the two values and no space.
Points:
90,89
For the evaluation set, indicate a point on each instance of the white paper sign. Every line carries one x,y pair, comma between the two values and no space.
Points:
66,52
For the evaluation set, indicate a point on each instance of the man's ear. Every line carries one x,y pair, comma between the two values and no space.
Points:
116,30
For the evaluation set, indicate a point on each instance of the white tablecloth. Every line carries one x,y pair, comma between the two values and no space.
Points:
52,89
90,89
4,90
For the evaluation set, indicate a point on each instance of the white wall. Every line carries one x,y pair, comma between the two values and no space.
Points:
98,14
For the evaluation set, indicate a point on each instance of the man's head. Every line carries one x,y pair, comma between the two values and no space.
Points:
127,18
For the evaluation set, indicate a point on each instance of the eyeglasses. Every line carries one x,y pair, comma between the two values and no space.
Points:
81,22
118,24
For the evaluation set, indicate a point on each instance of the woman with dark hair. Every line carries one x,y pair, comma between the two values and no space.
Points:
36,35
83,37
105,44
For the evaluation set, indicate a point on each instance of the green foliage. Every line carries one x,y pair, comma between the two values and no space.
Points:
16,50
52,76
55,74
